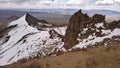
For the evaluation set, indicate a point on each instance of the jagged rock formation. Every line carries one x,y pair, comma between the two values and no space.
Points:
73,29
84,30
54,34
113,25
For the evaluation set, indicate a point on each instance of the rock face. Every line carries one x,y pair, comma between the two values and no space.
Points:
73,29
113,25
85,30
54,34
39,24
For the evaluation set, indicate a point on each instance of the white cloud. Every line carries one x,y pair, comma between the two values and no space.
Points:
117,0
104,2
39,3
74,2
71,4
25,4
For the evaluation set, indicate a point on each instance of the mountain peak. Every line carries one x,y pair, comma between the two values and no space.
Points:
20,21
73,29
19,40
36,22
27,14
30,20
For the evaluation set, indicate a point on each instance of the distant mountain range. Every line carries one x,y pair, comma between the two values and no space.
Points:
57,15
5,13
104,12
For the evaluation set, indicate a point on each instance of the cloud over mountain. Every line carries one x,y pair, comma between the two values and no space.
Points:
93,4
104,2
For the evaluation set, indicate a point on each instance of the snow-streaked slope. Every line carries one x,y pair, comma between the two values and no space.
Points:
93,39
25,41
61,30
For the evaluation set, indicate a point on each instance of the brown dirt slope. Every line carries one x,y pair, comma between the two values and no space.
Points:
94,57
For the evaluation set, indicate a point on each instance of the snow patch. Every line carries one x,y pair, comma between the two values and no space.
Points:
91,40
98,25
20,21
60,30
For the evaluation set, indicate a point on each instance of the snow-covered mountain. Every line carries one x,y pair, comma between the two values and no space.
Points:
29,37
20,40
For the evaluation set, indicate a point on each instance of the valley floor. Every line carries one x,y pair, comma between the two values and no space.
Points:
94,57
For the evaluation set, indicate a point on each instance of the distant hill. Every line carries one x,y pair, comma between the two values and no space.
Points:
104,12
21,12
59,16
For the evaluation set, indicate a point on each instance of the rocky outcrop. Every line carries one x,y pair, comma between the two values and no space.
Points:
73,29
113,25
4,31
39,24
31,20
81,27
54,34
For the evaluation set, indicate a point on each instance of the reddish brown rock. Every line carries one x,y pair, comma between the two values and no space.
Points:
75,24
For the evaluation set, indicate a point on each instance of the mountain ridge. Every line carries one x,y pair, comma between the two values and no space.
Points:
24,40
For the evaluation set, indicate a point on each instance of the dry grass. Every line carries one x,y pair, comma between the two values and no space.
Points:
94,57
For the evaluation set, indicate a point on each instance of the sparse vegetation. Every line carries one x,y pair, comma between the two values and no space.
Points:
94,57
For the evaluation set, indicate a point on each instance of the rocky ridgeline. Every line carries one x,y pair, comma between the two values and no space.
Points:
81,26
28,37
39,24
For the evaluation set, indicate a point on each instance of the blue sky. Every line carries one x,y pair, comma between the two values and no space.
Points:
65,4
